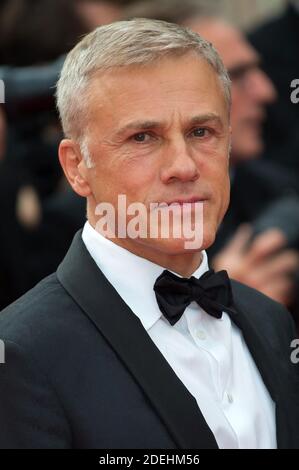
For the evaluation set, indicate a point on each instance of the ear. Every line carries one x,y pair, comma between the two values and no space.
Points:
74,167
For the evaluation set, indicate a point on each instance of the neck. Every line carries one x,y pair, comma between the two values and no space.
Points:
183,264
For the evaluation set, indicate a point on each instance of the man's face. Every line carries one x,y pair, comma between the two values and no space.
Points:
251,88
160,133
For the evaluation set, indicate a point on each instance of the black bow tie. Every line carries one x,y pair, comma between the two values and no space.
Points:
212,292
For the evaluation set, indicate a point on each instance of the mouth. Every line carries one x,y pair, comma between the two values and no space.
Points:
181,202
187,203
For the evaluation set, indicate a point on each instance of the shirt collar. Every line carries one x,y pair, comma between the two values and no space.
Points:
133,277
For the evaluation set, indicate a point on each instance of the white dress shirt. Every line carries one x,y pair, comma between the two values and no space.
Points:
208,355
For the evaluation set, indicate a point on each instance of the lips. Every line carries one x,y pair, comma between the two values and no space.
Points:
192,200
187,202
183,204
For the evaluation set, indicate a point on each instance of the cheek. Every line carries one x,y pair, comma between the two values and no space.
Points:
140,179
134,181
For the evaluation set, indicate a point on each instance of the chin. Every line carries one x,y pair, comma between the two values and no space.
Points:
181,246
171,246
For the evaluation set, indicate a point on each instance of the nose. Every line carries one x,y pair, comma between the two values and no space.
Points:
178,164
261,87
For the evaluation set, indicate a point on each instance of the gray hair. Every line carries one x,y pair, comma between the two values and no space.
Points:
121,44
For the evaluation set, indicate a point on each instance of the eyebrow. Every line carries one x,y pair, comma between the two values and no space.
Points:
202,118
148,124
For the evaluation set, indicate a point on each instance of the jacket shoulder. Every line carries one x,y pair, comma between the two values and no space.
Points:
271,317
253,298
41,315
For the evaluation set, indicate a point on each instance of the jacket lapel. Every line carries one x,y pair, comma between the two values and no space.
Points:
175,406
269,367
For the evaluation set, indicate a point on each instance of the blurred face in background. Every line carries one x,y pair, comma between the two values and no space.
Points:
295,4
251,88
96,13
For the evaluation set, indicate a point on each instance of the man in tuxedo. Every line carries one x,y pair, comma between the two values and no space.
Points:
134,342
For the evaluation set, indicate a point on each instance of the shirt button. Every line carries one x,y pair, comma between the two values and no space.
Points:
230,398
201,334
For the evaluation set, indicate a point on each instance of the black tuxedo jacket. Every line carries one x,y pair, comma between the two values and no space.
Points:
81,371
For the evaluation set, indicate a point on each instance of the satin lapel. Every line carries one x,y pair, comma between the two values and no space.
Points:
269,368
124,332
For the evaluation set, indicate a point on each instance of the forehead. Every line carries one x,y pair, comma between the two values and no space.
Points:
185,85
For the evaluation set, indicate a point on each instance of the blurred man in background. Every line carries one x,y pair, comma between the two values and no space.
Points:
277,41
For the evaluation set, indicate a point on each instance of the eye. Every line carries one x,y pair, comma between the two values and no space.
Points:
141,137
199,132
